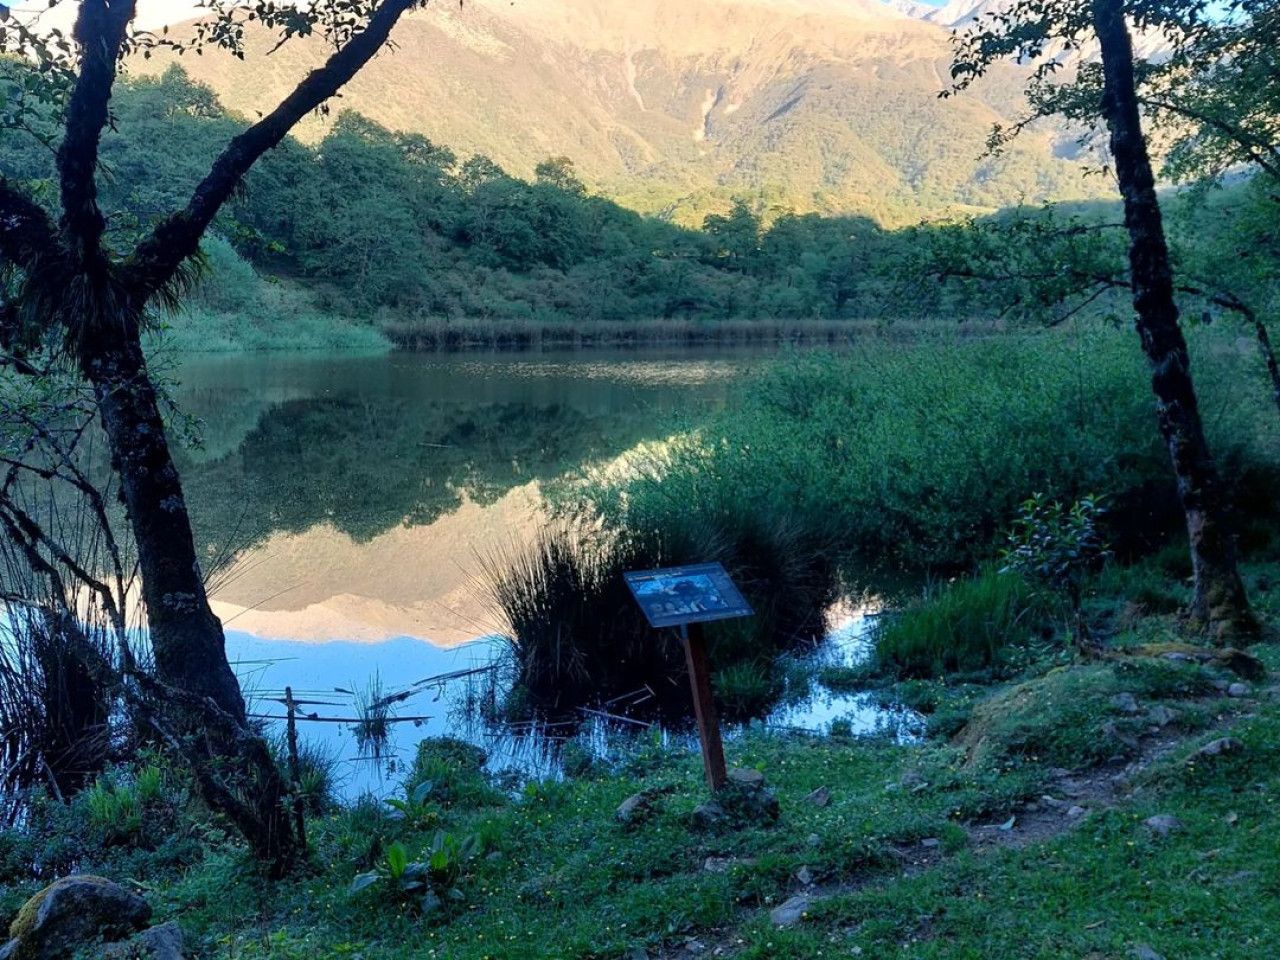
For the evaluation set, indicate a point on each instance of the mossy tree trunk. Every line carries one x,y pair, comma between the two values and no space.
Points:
72,286
1220,603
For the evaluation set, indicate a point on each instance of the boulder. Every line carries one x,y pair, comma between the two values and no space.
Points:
1238,690
71,913
163,942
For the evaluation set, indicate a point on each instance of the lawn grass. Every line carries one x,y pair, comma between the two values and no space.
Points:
559,877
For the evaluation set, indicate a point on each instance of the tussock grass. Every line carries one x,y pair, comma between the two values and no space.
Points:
968,626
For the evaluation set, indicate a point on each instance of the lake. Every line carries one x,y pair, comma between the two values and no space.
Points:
344,506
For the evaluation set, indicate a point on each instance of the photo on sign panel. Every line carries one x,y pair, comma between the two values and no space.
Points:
680,595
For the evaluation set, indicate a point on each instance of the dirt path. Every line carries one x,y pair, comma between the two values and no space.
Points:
1068,800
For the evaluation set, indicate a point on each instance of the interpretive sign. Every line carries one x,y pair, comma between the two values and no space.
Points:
687,597
678,595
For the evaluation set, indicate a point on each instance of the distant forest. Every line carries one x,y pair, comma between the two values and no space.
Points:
375,223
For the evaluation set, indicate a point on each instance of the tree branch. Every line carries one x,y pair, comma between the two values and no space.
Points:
157,258
99,33
27,235
1255,150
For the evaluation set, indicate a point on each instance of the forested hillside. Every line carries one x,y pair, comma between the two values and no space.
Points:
372,222
678,106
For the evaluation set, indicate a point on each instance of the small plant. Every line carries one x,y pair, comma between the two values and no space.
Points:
428,882
1059,547
415,807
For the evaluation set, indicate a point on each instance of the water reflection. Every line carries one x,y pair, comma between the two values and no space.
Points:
355,493
353,497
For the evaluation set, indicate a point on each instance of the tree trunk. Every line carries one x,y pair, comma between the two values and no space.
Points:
1220,603
233,766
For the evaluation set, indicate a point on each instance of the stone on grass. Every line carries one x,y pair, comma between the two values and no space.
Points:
1161,716
792,912
805,876
1076,811
1142,951
636,807
1163,824
708,814
931,843
72,912
1221,747
819,798
747,778
1126,703
1238,690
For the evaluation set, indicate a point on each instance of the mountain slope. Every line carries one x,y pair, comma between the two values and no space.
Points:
676,105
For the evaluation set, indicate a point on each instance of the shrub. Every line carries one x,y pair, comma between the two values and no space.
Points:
455,770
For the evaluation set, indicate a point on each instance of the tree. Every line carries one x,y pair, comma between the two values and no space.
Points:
75,293
1030,30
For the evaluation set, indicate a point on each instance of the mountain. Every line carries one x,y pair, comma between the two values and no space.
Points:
675,106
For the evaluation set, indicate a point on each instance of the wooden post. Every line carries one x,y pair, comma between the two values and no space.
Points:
295,768
704,707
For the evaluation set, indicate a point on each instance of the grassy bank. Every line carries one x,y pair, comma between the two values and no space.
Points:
1025,836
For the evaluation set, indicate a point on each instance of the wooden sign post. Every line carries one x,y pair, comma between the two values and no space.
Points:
688,597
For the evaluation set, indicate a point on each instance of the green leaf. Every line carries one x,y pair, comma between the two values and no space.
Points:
362,881
397,860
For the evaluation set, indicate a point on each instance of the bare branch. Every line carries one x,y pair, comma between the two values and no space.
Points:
157,259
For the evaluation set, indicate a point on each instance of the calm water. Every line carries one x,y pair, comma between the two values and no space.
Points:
349,502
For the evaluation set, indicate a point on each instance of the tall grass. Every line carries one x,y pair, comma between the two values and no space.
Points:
972,625
576,637
916,457
57,704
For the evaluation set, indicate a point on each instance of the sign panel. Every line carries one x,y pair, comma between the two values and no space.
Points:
680,595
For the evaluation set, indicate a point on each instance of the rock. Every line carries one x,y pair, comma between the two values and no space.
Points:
636,807
931,843
1052,802
819,798
1178,656
764,806
1143,952
72,912
1076,811
1222,686
805,876
792,912
1112,732
163,942
747,778
1223,746
1162,716
708,814
1126,703
1163,824
1237,690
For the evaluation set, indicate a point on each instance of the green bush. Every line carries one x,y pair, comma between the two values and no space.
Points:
969,626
